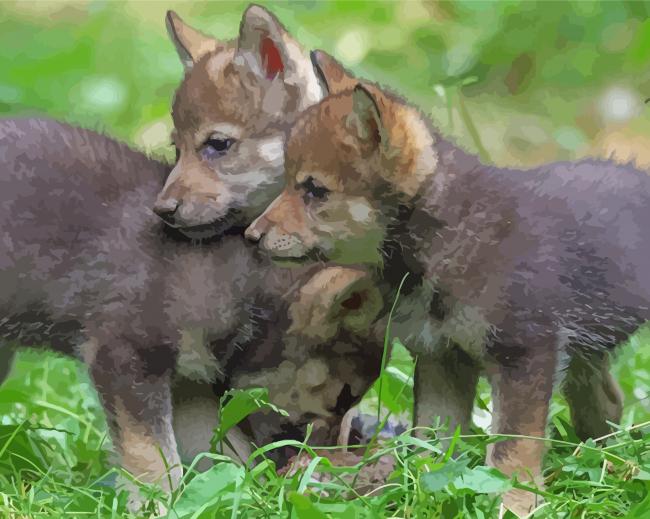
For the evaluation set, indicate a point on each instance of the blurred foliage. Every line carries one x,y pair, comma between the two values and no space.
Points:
541,80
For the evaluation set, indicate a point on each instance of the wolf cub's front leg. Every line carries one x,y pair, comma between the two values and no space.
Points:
445,386
196,416
135,386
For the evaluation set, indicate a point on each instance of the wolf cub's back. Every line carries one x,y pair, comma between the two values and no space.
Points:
62,191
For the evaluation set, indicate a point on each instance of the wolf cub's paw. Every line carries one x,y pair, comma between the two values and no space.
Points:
139,505
145,503
520,502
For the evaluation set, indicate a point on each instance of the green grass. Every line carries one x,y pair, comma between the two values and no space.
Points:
54,460
517,81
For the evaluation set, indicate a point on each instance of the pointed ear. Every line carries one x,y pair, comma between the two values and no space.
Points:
333,76
333,299
365,117
190,43
260,39
276,61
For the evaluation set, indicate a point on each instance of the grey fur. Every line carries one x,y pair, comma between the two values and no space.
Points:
532,274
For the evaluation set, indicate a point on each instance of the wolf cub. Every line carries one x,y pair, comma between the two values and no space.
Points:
87,268
231,113
532,276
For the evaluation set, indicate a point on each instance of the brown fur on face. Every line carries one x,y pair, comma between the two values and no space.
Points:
229,115
357,147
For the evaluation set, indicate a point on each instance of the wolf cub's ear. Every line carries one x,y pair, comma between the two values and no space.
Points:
190,43
335,298
277,62
365,117
333,76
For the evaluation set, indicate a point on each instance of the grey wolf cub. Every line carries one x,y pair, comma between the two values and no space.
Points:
87,268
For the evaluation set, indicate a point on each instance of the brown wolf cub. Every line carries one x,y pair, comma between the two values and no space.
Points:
530,275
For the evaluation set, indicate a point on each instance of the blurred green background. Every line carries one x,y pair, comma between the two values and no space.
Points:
521,82
538,81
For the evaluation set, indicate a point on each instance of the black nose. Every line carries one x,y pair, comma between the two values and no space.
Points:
166,210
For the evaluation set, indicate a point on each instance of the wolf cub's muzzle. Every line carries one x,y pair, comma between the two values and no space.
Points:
196,219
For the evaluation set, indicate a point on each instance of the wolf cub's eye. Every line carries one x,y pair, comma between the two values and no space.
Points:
216,147
313,190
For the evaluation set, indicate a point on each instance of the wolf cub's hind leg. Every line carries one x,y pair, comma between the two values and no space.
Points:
445,387
593,395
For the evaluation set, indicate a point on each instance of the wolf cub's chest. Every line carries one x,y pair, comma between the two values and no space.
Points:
425,325
195,359
206,354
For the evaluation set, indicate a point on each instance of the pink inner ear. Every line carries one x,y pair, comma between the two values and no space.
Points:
271,58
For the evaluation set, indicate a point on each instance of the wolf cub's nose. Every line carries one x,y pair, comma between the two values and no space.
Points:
253,235
166,209
257,229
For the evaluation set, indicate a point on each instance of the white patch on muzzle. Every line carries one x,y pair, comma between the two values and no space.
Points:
271,150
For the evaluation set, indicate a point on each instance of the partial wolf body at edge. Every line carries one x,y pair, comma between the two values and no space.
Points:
89,269
59,221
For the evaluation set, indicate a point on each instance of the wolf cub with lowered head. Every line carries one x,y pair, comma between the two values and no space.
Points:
530,275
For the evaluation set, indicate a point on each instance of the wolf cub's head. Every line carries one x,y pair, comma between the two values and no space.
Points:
230,114
350,162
